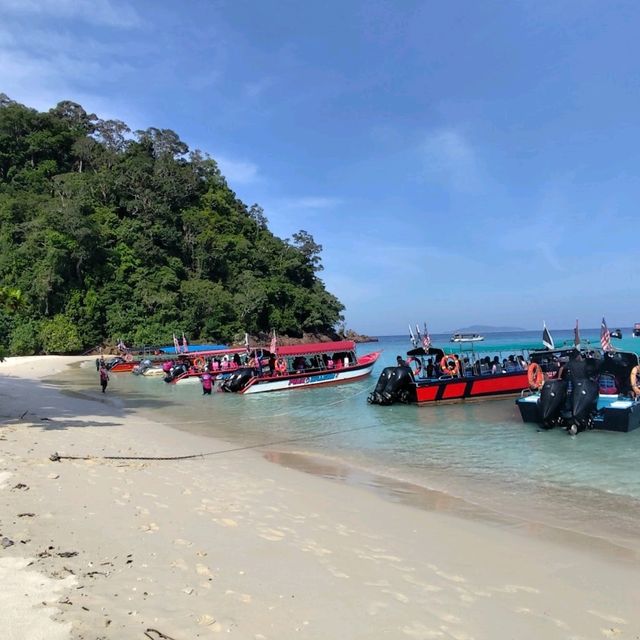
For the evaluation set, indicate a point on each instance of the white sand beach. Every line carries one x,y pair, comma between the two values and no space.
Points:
235,544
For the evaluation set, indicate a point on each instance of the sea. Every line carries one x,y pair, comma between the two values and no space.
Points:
472,457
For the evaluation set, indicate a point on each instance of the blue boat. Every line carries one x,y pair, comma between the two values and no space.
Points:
579,391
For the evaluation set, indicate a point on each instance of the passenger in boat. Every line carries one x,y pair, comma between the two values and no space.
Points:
496,367
522,363
431,370
400,362
460,367
330,363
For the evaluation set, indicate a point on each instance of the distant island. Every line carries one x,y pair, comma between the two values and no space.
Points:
485,328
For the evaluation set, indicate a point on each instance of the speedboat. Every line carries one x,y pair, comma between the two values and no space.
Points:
466,337
430,375
300,367
587,391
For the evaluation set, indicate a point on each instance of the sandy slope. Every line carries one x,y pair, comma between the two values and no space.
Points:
233,543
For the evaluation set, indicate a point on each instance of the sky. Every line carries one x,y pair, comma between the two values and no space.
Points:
460,162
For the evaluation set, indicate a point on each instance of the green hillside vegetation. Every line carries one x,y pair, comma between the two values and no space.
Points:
107,234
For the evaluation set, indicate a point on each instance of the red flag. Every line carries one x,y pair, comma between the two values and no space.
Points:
605,337
273,347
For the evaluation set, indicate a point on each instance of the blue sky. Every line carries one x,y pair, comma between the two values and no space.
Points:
460,162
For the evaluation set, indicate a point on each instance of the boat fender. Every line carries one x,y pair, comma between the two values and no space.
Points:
535,376
635,380
199,362
128,357
450,365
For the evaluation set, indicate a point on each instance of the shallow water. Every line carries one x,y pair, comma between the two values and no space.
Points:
478,451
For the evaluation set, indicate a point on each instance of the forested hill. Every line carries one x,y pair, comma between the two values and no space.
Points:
107,233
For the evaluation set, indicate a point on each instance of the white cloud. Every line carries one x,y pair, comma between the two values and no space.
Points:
103,12
238,171
449,156
311,202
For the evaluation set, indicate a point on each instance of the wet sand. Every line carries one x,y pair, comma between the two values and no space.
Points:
232,543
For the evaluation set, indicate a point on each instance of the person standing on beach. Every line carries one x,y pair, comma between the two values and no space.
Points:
104,378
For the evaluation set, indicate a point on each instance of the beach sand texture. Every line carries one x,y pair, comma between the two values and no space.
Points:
234,544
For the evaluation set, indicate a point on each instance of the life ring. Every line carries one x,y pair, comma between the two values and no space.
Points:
418,367
128,358
281,365
199,362
450,366
635,377
535,376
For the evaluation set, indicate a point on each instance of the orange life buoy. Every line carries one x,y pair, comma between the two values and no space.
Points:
199,362
535,376
128,358
635,380
450,365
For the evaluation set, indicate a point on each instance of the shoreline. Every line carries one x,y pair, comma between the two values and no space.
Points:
237,543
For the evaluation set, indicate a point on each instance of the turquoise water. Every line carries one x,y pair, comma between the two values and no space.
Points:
479,451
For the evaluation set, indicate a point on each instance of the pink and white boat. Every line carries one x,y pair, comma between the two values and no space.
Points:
301,367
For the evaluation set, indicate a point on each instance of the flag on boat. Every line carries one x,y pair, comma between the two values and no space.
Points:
547,340
419,338
605,337
176,344
185,344
576,336
246,342
273,345
413,338
426,338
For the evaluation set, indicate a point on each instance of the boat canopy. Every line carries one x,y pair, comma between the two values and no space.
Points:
318,347
431,351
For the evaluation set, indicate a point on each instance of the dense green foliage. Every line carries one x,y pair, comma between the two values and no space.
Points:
108,234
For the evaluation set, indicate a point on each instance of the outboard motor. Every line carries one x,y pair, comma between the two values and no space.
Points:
238,380
552,397
175,371
584,402
394,385
139,369
375,397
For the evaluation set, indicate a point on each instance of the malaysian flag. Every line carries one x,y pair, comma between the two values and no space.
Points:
576,336
185,344
605,337
176,344
272,346
426,338
246,342
547,340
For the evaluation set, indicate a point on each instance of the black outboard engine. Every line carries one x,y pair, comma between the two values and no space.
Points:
375,397
584,402
238,380
552,397
394,385
175,371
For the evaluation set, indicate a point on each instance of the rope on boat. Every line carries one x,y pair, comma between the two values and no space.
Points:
55,457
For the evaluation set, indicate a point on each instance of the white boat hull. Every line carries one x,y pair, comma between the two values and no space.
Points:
260,385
